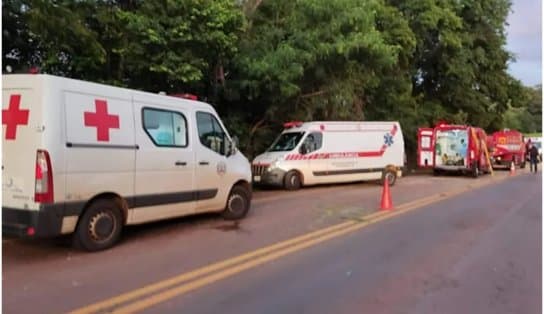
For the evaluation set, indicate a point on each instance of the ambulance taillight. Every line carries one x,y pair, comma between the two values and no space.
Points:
44,178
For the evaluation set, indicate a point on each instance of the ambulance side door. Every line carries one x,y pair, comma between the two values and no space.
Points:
213,178
317,165
164,177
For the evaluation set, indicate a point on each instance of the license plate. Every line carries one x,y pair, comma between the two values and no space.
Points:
257,178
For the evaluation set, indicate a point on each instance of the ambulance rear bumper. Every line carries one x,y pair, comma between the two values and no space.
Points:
46,222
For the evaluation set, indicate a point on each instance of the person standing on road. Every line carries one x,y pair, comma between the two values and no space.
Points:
533,154
528,150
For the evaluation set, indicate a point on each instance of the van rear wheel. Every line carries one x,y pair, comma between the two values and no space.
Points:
475,170
100,226
292,181
238,203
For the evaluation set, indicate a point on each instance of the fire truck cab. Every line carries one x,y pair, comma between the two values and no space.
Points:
453,148
505,147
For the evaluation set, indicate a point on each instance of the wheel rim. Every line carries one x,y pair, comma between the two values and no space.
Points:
237,203
294,180
390,177
102,226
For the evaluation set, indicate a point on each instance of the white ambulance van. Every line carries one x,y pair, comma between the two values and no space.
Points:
87,159
330,152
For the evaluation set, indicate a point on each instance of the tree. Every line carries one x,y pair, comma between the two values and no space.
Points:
261,63
525,116
459,68
179,45
309,60
152,45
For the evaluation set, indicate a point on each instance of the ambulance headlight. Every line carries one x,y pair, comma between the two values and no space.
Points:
499,158
273,166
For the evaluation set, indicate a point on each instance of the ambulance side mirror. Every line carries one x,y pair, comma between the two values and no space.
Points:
230,146
303,150
235,141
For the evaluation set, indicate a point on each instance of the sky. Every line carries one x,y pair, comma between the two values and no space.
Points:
525,41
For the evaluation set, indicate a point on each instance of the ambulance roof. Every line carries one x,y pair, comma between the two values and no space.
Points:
335,125
63,83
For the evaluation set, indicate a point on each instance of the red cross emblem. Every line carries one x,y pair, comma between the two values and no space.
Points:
101,120
13,116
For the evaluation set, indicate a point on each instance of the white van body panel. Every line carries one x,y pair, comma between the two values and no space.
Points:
97,145
350,151
90,159
156,170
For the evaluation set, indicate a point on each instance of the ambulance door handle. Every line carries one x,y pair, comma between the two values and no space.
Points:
181,163
203,163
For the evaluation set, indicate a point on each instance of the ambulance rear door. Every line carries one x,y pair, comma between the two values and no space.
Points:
22,125
425,147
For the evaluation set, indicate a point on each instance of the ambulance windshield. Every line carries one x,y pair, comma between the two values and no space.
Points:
451,147
286,142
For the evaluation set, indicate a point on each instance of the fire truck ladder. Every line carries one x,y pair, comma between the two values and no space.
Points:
475,139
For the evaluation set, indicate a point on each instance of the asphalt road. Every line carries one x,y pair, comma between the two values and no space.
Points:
471,249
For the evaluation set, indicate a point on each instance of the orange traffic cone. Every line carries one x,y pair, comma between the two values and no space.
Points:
386,203
512,169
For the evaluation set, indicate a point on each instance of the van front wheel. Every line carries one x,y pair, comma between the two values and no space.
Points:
100,226
238,203
390,175
292,181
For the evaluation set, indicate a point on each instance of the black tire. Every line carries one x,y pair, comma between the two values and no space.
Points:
475,172
437,172
99,227
238,203
391,175
292,181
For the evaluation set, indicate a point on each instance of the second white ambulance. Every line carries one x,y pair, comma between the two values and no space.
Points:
330,152
87,159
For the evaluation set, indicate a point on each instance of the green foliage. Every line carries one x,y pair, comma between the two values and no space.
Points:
265,62
173,45
18,45
152,45
527,116
317,60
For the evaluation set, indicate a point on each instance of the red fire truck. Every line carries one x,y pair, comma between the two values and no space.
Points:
505,147
453,148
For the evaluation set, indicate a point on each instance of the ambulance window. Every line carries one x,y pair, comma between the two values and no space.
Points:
286,142
210,132
313,141
165,128
425,142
